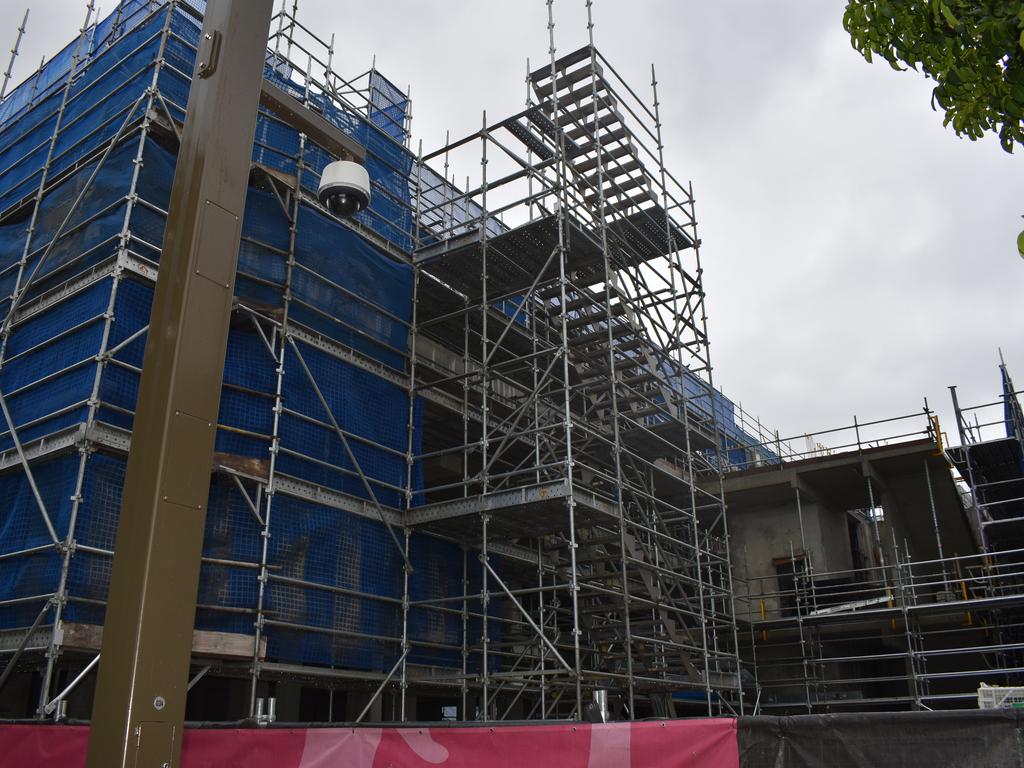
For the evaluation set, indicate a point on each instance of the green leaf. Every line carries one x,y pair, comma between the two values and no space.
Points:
971,49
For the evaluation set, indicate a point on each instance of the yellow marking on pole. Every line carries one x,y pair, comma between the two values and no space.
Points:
963,589
939,451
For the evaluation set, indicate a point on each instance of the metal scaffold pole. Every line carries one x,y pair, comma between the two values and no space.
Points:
14,55
610,280
561,213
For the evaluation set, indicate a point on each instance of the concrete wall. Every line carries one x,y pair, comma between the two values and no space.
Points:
762,536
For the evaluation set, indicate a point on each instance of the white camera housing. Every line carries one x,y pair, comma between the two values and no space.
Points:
344,188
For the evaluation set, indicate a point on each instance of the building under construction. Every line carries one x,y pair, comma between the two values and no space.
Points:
471,463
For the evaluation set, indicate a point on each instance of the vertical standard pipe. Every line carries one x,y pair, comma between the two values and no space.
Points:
108,322
800,626
808,562
541,649
875,529
609,278
464,686
935,522
410,457
485,636
16,295
277,342
800,522
485,354
966,448
139,705
567,404
404,679
914,691
484,420
14,55
675,265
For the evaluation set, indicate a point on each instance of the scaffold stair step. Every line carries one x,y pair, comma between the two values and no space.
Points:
615,170
607,120
568,78
642,413
611,538
596,557
642,378
585,111
634,342
599,370
602,385
606,138
596,356
638,397
591,610
575,97
544,124
568,60
617,190
590,299
599,335
616,310
607,157
625,204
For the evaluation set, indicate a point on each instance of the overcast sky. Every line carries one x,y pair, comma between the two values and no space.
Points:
858,256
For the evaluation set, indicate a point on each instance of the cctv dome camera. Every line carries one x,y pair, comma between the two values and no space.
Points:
344,188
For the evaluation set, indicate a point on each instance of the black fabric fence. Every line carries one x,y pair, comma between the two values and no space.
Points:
975,738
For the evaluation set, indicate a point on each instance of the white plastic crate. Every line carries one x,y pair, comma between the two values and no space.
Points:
997,696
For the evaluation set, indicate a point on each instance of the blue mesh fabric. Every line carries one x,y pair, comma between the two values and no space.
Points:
389,107
362,405
22,527
329,280
325,546
53,75
97,104
343,289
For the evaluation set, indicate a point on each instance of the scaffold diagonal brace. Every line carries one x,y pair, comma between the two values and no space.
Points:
529,618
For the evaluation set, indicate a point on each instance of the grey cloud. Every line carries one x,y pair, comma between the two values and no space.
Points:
857,255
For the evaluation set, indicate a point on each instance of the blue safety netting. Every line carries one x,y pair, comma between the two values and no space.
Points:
108,83
389,107
343,290
53,75
103,97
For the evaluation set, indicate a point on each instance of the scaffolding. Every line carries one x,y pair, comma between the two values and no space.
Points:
88,155
559,310
469,447
470,450
924,612
922,634
990,460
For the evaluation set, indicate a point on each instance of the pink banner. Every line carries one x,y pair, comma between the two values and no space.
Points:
704,743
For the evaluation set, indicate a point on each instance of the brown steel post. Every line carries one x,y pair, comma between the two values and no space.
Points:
139,707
